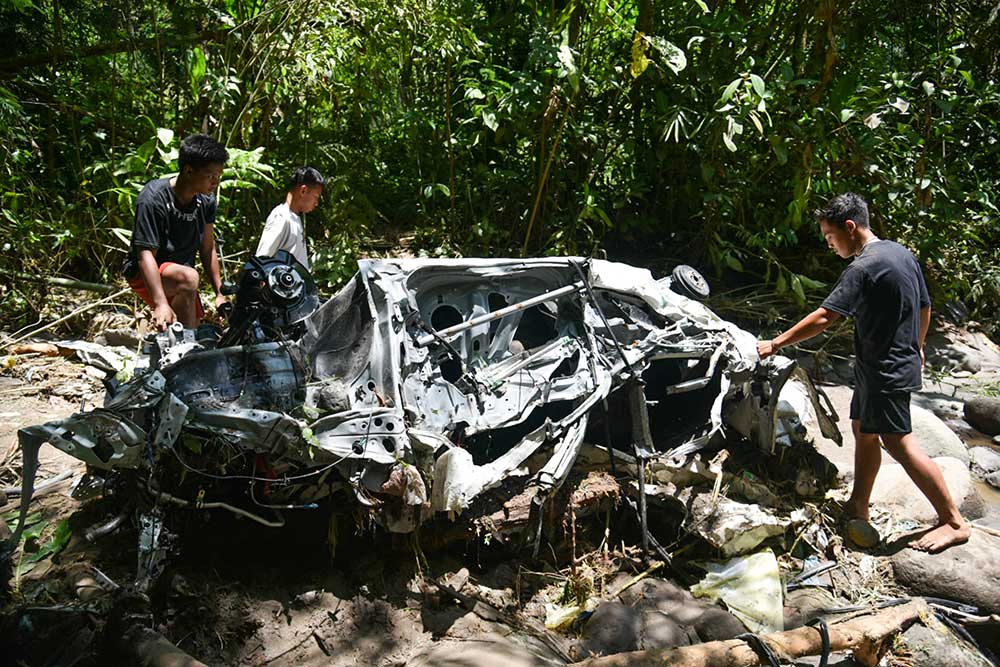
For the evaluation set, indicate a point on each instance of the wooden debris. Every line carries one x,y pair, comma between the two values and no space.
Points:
44,349
866,636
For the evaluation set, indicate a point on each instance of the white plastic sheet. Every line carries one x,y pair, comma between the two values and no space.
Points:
751,588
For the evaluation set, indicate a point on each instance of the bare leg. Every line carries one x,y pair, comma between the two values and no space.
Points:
952,528
867,461
180,284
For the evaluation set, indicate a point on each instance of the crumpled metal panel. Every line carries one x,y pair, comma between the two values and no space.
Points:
416,363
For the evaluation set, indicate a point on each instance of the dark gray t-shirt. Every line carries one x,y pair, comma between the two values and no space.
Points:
162,225
883,289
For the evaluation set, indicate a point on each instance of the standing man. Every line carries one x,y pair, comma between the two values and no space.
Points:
284,229
883,289
174,219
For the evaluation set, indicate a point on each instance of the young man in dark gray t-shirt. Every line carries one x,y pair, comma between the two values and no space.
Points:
883,289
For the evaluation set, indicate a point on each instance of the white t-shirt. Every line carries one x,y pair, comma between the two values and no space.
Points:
284,231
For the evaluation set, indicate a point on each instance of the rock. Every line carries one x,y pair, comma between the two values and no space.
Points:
487,651
613,628
983,412
710,622
938,646
984,461
661,631
934,436
717,624
896,492
804,604
993,479
958,573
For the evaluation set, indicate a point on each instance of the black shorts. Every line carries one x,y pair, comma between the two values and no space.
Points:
881,413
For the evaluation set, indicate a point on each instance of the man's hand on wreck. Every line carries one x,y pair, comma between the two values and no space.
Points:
163,316
765,348
220,299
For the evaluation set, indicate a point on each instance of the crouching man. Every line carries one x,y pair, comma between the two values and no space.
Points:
174,220
883,289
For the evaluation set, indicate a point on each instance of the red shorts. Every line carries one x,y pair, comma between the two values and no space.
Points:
138,286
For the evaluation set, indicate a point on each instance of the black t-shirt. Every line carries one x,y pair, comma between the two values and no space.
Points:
883,289
161,225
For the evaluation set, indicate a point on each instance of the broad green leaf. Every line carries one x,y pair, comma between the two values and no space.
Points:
474,94
781,286
702,5
197,67
733,263
846,115
490,120
800,294
164,135
928,88
672,54
727,94
758,84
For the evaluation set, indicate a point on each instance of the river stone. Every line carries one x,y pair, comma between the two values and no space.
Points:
613,628
934,436
993,479
804,604
896,492
483,651
984,461
983,412
937,647
966,573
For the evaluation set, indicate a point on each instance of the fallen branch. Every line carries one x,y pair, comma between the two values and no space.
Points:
865,636
60,282
62,319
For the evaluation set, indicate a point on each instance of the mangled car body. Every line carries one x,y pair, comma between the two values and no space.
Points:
422,384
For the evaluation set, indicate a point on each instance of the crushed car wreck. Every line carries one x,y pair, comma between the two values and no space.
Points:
420,385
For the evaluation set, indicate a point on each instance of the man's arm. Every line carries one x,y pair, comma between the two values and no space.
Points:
811,325
925,324
210,260
163,314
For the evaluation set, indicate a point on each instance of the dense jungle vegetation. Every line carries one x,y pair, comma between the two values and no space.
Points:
702,131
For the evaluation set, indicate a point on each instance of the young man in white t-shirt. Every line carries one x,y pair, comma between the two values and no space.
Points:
284,229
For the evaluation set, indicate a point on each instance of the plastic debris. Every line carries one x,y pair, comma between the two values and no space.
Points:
751,588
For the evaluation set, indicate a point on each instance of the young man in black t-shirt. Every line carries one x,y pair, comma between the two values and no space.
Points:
883,289
174,220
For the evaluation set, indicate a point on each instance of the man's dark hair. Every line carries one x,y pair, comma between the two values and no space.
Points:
306,176
200,150
840,209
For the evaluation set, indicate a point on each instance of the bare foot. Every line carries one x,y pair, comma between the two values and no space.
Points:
941,537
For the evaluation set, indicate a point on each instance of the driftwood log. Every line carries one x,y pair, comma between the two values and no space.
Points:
866,636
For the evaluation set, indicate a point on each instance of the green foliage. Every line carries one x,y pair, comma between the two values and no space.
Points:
701,132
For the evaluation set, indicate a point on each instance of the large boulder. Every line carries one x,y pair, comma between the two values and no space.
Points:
938,646
985,461
983,412
966,572
896,492
933,435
